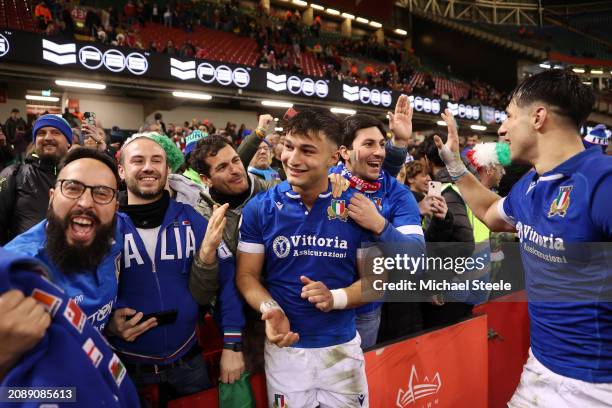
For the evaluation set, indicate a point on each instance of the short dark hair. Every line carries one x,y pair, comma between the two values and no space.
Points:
157,116
86,153
316,120
206,147
559,88
14,110
354,123
429,149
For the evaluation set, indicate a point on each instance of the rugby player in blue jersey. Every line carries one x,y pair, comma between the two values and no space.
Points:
310,247
563,200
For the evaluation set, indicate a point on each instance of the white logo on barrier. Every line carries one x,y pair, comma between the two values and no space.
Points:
500,116
4,46
425,104
366,96
418,390
281,246
182,70
464,111
92,58
60,54
223,74
295,85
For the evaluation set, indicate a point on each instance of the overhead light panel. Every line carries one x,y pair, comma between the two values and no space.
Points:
362,20
79,84
316,6
558,67
587,83
441,123
545,65
300,3
332,12
42,98
375,24
277,104
578,70
278,129
597,71
343,111
400,31
192,95
347,15
478,127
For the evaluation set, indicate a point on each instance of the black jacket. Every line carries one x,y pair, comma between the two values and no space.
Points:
462,229
438,230
24,196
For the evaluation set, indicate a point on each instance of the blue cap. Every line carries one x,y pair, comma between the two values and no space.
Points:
54,121
192,140
598,136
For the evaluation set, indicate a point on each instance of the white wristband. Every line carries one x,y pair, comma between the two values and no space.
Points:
340,298
269,305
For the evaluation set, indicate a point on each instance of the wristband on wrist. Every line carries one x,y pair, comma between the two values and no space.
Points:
340,298
269,305
261,132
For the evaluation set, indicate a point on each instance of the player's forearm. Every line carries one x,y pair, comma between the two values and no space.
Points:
252,290
476,196
354,296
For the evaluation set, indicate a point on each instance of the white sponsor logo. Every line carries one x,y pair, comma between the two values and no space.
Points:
92,58
366,95
4,46
464,111
417,390
528,233
281,246
500,116
425,104
295,85
60,54
182,70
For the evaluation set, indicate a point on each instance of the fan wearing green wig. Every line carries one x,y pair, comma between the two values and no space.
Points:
181,188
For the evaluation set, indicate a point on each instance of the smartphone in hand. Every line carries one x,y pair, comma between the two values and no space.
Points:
435,189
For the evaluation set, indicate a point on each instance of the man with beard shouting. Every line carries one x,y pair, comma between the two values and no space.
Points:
77,241
164,242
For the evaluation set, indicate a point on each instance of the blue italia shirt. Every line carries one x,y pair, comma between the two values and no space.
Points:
568,288
322,244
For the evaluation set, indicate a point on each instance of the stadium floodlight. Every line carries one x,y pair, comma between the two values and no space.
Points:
343,111
192,95
362,20
278,129
587,82
348,16
80,84
558,67
332,12
441,123
400,31
578,70
597,71
277,104
478,127
545,65
300,3
317,7
276,119
42,98
375,24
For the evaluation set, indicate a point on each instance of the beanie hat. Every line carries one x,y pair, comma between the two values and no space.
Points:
192,140
489,154
173,153
598,136
54,121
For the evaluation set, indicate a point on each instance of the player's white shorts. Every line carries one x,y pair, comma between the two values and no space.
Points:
309,377
540,387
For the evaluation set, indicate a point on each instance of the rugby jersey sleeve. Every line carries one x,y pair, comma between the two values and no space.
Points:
250,239
508,206
404,220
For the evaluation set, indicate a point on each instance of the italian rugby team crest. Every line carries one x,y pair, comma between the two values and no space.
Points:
561,203
337,209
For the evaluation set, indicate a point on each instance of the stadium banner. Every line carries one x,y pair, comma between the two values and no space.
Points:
442,368
68,55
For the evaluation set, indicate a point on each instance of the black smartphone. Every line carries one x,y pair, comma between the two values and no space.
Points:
163,318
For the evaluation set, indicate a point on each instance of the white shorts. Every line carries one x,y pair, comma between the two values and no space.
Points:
540,387
309,377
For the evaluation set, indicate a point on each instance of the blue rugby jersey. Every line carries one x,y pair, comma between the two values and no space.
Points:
322,244
72,352
567,205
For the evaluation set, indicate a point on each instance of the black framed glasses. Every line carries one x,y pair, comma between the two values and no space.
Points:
74,189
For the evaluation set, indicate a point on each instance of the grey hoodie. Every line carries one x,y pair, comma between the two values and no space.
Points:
186,191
